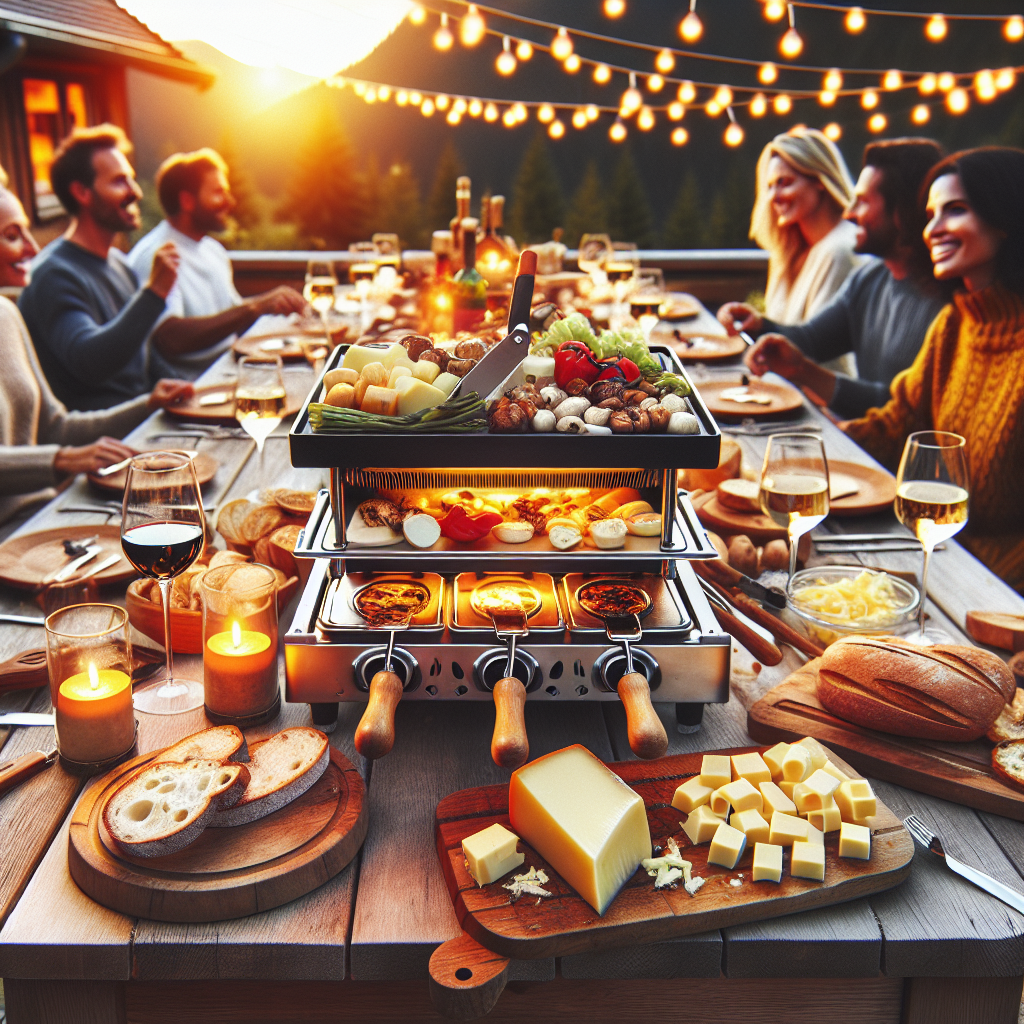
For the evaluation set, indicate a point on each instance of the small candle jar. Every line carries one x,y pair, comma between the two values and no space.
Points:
240,644
89,659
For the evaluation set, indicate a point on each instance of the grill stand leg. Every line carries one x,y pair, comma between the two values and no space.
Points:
325,716
689,717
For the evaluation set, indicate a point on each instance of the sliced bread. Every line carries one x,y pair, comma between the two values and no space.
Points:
282,768
222,743
163,807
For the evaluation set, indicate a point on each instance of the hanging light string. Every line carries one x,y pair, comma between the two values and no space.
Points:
921,15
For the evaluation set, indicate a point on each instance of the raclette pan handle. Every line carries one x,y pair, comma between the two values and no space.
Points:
509,746
647,736
522,293
375,734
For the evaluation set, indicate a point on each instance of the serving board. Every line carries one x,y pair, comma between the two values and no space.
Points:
30,558
222,412
961,772
206,467
226,872
726,521
288,348
564,923
783,398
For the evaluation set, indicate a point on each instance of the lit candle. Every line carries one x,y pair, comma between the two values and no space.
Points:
94,715
240,672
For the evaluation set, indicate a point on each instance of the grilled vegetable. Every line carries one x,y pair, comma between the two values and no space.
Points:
460,526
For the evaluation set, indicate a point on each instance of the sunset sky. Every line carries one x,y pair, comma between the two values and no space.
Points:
314,37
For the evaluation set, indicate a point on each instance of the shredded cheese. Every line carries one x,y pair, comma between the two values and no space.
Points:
869,599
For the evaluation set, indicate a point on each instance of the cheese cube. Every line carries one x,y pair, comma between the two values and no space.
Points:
701,825
836,773
855,841
796,765
359,356
415,394
750,767
815,792
815,835
807,861
785,829
582,819
446,383
396,355
773,758
767,863
426,370
775,800
739,795
819,755
715,770
856,800
491,853
751,824
827,818
396,373
691,794
727,847
787,787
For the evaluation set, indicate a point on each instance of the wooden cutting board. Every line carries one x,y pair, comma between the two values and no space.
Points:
29,558
961,772
564,923
781,398
206,469
222,412
226,872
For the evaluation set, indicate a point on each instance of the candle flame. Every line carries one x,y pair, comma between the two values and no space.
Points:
236,634
94,677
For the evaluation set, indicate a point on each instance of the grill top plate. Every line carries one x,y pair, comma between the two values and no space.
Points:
535,589
666,613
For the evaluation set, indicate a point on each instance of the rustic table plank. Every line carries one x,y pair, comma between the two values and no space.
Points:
696,956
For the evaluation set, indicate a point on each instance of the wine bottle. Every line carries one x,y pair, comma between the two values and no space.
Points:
463,194
493,258
469,289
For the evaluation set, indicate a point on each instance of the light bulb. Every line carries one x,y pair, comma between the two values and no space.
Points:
712,109
691,28
892,80
985,86
454,117
556,129
472,27
572,63
614,8
733,134
508,119
441,101
476,108
782,104
562,45
519,112
545,113
631,100
506,62
402,98
957,101
833,81
832,132
936,28
723,96
774,10
791,45
427,107
855,20
826,97
602,74
687,92
665,62
384,93
680,136
524,51
359,88
767,74
592,112
370,95
676,111
1013,30
869,99
927,84
946,81
1005,79
460,106
617,132
415,98
877,122
443,38
490,113
758,105
418,14
645,119
579,118
921,114
655,83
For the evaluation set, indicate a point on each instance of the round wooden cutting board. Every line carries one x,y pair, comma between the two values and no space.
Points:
288,348
221,412
726,521
30,558
876,489
698,349
782,398
226,872
206,470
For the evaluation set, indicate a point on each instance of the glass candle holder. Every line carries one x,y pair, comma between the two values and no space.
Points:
89,658
240,644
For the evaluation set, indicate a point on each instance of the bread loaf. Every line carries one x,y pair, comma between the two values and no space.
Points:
943,692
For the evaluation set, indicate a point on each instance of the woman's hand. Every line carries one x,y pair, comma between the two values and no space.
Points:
170,392
747,317
778,354
91,457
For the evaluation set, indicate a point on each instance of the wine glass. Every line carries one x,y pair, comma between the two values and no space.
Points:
162,533
592,253
931,499
794,486
259,399
647,299
319,290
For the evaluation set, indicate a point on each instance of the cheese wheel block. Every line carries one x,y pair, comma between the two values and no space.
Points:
855,841
715,770
491,853
751,824
827,819
767,863
581,818
773,758
751,767
691,794
701,825
727,846
807,861
796,765
775,800
856,800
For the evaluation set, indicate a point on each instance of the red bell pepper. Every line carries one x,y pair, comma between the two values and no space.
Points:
460,526
624,368
573,359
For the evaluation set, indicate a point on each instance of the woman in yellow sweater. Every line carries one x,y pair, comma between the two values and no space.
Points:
969,375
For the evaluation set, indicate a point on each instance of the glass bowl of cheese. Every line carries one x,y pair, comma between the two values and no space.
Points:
833,601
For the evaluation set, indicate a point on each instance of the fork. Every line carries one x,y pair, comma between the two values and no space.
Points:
931,842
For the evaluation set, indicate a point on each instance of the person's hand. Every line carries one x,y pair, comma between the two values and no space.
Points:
169,392
164,271
739,312
87,459
279,301
779,355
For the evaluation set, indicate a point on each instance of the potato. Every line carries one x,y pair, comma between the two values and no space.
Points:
719,545
743,555
342,376
775,556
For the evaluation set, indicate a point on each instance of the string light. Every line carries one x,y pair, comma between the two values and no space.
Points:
855,20
691,28
508,119
401,98
957,100
869,99
562,45
758,105
833,81
427,107
359,88
877,123
617,132
519,112
1005,79
384,93
936,28
614,8
415,98
592,112
791,45
472,27
524,51
1013,30
459,106
927,84
490,113
676,111
602,74
645,119
572,63
767,74
712,109
734,132
687,92
826,97
545,113
665,62
418,14
679,136
774,10
579,118
892,80
631,98
556,129
832,132
985,86
723,96
370,95
655,83
443,38
453,117
441,101
946,81
921,114
506,62
476,108
782,104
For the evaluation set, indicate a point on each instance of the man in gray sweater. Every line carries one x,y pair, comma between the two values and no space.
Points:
83,307
884,308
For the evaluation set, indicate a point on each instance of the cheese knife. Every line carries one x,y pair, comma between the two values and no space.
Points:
100,566
25,718
73,565
13,773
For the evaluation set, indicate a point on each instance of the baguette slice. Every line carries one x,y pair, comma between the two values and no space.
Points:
222,743
282,768
1008,761
165,806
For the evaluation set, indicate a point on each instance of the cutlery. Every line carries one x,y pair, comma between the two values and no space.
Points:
872,546
931,842
22,620
775,427
115,468
79,547
25,718
24,671
100,566
77,563
744,337
828,537
12,773
748,635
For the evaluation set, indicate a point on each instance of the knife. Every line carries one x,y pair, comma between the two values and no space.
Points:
494,367
25,718
725,575
100,566
74,565
22,620
12,773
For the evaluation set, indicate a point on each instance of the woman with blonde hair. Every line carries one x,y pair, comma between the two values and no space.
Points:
803,189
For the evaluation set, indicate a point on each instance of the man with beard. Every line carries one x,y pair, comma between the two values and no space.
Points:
883,309
204,310
83,307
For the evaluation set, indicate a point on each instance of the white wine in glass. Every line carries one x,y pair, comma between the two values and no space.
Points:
932,497
794,486
259,399
321,283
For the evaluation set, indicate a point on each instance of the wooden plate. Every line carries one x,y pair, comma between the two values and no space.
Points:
226,872
876,489
206,470
725,521
27,560
287,348
698,349
222,412
783,398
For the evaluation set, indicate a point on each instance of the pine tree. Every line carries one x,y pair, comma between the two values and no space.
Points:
441,204
588,213
629,211
729,222
249,209
537,203
373,196
401,209
685,227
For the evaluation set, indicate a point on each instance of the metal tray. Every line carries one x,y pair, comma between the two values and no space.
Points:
667,614
466,619
338,615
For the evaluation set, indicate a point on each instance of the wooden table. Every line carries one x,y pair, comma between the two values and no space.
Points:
934,950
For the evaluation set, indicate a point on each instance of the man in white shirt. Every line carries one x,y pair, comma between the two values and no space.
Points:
204,311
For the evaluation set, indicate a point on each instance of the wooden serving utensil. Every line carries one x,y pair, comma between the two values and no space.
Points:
510,746
762,649
24,670
375,734
13,773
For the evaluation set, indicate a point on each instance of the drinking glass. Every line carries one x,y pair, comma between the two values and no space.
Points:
794,486
647,299
162,533
320,288
259,399
592,254
931,498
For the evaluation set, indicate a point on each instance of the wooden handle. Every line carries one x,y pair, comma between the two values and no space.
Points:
26,670
509,745
647,736
783,632
465,978
375,735
20,769
763,650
